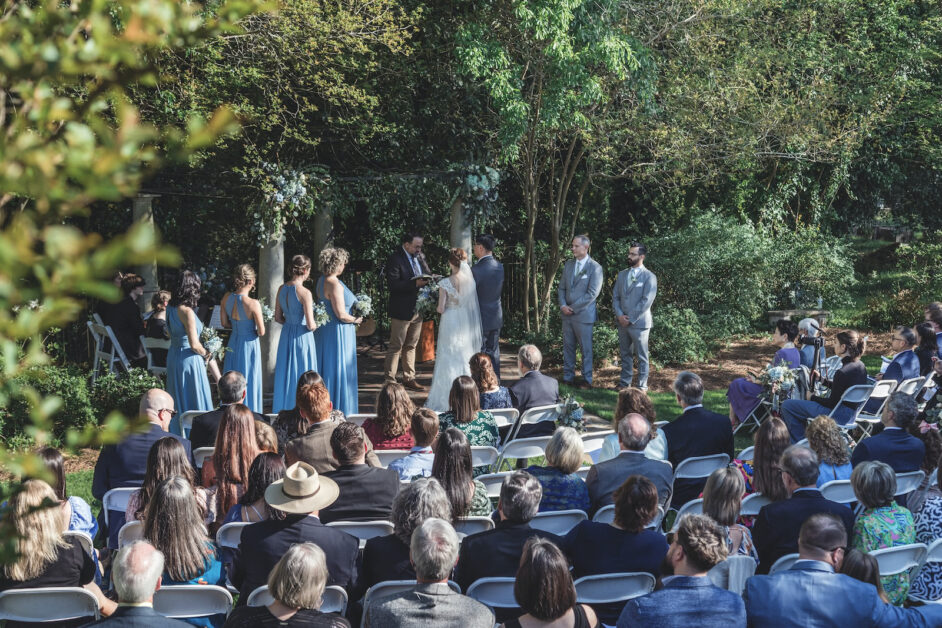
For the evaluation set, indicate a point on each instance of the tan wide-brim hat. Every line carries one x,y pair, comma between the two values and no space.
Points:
302,490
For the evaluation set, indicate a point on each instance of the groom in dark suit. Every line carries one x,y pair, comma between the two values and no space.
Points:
489,279
405,325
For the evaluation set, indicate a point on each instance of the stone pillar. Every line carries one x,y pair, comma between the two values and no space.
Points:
460,235
323,235
143,212
271,274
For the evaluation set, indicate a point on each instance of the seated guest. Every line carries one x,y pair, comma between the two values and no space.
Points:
493,395
883,523
452,468
43,557
387,557
76,513
894,445
296,583
905,364
603,479
562,488
745,393
433,550
532,390
926,348
689,598
424,430
124,318
826,440
167,459
313,446
266,468
812,594
928,522
633,400
497,552
265,437
864,567
135,574
156,326
228,468
795,412
775,532
390,428
366,493
301,494
621,546
290,425
464,413
931,439
231,389
809,328
544,590
696,432
763,474
722,498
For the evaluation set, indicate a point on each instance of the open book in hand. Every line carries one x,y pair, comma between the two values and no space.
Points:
427,277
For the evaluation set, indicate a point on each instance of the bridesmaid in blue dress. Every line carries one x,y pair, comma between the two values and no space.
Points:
296,352
337,340
244,315
187,382
744,393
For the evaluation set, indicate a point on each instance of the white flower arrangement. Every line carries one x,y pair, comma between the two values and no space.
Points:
321,317
362,306
213,345
287,193
427,302
778,381
573,415
268,314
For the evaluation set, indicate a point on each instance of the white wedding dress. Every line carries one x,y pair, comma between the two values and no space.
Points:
459,335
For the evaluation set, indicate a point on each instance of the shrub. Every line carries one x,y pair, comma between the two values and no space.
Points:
677,336
122,391
69,384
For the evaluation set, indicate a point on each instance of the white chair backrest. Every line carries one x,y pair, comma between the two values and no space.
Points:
605,514
495,592
200,454
751,504
260,597
534,415
524,448
832,365
612,587
839,491
856,395
392,587
129,532
186,421
909,482
803,443
783,563
388,455
505,416
700,466
881,392
747,453
934,477
48,604
359,418
484,456
84,539
192,600
492,482
910,386
149,345
117,499
732,573
472,525
592,443
558,522
271,417
230,535
364,530
894,560
693,507
583,472
333,600
660,424
655,524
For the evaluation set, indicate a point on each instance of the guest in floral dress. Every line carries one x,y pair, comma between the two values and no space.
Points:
562,488
493,395
928,582
452,468
465,414
722,497
390,428
883,523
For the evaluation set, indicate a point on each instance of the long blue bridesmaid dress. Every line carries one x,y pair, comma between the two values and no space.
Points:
245,354
296,352
187,382
337,353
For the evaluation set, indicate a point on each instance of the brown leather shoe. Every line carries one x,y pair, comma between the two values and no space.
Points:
584,385
414,385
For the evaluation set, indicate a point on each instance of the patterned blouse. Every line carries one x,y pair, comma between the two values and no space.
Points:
496,400
375,433
560,491
480,502
887,526
746,546
928,584
481,432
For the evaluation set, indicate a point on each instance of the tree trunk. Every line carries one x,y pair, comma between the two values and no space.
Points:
270,277
143,212
323,233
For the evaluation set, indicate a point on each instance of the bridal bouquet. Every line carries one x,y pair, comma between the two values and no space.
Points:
362,306
321,317
268,314
213,345
778,382
572,414
427,303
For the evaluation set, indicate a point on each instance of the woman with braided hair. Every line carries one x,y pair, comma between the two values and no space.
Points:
243,315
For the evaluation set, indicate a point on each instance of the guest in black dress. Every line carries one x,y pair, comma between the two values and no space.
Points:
124,318
157,325
927,347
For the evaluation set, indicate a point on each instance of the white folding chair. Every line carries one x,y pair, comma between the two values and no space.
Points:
592,443
497,592
881,392
359,418
505,416
492,482
388,455
230,535
533,415
839,491
693,507
84,539
130,532
523,448
200,454
934,477
605,514
756,416
784,563
117,499
660,424
655,524
747,453
466,526
271,417
260,597
857,395
149,345
48,604
558,522
364,530
698,468
832,365
484,456
392,587
933,555
333,600
910,386
899,559
609,588
732,573
113,358
909,482
752,503
583,472
192,600
186,421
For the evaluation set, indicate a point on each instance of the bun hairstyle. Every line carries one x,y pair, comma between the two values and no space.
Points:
300,264
159,301
242,276
856,346
456,256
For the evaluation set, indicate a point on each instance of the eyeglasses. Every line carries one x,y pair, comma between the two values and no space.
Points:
173,413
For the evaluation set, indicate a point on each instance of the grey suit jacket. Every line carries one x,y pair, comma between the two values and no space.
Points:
580,292
434,604
635,300
489,279
605,477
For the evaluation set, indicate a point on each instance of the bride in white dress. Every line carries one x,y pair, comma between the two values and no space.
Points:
459,332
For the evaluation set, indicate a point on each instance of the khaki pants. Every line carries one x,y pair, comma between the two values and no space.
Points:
403,338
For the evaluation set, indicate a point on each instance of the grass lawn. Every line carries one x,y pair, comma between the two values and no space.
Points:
80,485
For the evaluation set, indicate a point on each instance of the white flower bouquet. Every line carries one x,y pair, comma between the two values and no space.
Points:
362,306
213,345
427,303
321,317
268,314
573,415
778,381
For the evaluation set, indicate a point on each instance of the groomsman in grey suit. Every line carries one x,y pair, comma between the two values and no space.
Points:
489,278
634,292
578,289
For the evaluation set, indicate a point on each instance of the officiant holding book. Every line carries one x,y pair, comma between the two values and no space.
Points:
405,325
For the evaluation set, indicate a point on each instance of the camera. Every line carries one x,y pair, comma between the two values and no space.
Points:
817,341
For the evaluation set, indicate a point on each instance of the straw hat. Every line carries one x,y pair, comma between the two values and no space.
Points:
301,491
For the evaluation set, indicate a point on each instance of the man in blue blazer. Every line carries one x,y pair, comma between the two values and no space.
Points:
905,364
812,594
489,281
894,445
579,287
532,390
689,598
